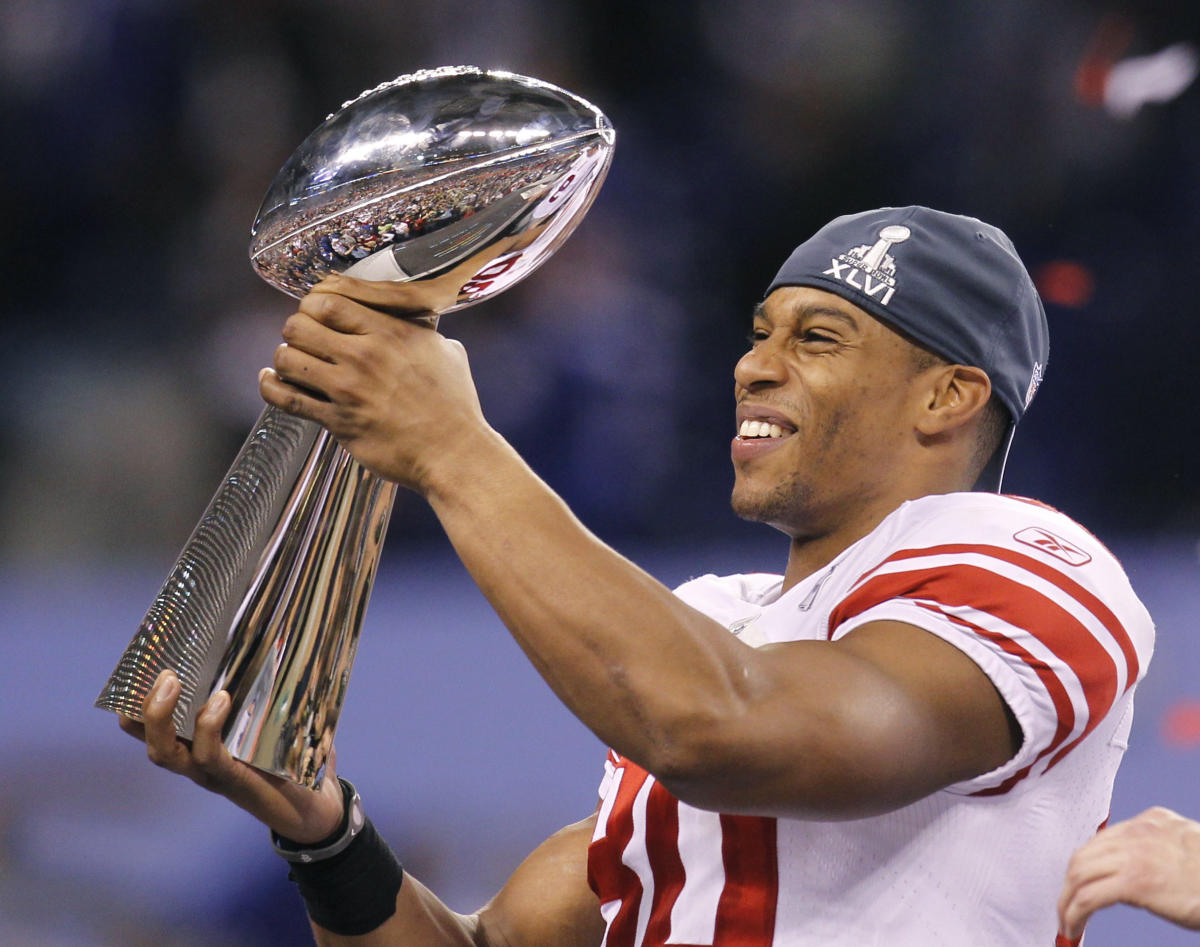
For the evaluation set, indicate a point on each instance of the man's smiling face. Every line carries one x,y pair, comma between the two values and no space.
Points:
824,411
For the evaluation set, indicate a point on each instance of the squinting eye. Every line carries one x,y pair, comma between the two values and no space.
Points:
756,336
811,336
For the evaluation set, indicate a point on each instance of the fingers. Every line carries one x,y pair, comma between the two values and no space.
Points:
1117,865
1087,867
330,331
293,400
304,371
395,298
326,306
206,754
1157,820
208,748
163,747
356,307
288,808
1078,904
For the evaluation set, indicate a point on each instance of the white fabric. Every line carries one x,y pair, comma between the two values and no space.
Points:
1046,611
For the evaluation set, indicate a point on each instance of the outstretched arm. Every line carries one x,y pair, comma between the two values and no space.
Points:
546,902
1151,861
871,722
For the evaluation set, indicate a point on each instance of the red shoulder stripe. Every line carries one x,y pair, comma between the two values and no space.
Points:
1031,502
1043,570
1017,605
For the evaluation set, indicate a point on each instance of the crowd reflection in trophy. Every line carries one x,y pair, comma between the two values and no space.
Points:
410,212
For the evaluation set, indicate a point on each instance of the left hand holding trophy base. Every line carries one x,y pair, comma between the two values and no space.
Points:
285,807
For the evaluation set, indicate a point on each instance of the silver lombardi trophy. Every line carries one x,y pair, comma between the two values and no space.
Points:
459,179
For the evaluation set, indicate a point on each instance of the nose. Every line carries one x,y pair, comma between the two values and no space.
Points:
761,366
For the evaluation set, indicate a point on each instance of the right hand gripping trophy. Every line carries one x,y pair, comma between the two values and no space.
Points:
460,179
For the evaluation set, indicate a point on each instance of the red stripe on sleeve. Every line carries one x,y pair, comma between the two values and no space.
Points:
1032,502
1058,694
1018,605
1063,707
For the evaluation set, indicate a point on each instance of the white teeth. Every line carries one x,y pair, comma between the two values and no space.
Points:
759,429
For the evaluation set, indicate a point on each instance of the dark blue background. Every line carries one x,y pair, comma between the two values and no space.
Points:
140,136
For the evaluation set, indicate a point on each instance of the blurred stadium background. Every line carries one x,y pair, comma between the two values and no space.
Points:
141,135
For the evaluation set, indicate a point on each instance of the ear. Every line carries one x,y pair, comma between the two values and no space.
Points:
956,394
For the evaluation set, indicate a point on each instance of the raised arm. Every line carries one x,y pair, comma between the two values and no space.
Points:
546,903
811,728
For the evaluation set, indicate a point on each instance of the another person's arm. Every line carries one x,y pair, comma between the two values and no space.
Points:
546,903
1151,861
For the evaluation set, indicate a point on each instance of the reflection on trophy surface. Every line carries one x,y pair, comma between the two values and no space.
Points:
459,180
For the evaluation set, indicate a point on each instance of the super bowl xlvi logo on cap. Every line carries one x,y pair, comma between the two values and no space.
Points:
871,269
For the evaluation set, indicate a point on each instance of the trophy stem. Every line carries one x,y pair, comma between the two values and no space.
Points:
266,598
293,641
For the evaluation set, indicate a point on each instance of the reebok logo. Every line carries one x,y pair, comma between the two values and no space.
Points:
1056,546
871,269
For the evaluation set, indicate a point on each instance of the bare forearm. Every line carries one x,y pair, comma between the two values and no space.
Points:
625,654
421,919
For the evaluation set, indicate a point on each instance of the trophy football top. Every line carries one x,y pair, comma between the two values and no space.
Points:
463,177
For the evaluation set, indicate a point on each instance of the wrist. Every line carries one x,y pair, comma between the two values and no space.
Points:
472,460
349,880
348,827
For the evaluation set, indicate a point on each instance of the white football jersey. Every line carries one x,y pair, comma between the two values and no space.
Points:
1048,614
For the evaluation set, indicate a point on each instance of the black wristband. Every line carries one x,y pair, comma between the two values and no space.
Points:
354,891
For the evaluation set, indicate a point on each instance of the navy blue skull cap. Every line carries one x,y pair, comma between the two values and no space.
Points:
952,283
